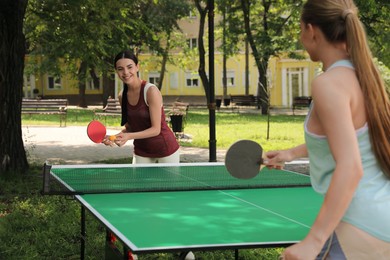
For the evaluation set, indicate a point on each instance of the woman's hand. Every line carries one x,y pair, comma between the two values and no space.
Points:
276,159
122,138
305,250
109,140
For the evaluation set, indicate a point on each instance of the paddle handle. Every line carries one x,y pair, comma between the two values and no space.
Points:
278,165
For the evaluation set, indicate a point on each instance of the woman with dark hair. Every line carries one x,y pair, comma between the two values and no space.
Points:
143,116
347,139
143,119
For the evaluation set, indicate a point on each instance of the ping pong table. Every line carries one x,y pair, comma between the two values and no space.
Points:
190,206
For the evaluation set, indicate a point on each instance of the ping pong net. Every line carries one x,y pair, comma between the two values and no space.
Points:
91,179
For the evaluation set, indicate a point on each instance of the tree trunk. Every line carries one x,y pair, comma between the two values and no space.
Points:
81,78
164,62
263,87
12,51
224,57
262,90
108,87
202,51
162,71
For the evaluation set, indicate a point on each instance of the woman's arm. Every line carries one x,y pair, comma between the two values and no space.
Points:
154,99
277,158
333,112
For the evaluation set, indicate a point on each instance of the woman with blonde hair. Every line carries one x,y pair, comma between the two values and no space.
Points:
347,139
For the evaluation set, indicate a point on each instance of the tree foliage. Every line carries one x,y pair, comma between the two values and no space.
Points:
85,35
80,38
272,28
375,14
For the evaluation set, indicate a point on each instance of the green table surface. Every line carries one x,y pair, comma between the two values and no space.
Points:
206,219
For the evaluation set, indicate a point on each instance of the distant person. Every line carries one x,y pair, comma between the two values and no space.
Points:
347,134
143,116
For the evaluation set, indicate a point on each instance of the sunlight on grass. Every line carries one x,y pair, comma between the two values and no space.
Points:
285,131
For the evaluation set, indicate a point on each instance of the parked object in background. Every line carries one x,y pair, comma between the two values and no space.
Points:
177,116
46,106
245,100
303,101
113,108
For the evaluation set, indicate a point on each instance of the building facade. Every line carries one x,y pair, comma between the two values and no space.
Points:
287,78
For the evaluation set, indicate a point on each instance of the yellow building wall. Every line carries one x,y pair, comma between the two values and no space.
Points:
69,85
174,83
278,68
235,64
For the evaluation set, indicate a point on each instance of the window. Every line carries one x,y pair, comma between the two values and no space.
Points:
94,84
295,81
54,82
29,89
154,78
174,80
192,43
230,79
192,79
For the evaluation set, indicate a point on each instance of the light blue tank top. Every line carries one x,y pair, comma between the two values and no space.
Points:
370,206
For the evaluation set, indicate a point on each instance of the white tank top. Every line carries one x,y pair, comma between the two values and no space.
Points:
370,207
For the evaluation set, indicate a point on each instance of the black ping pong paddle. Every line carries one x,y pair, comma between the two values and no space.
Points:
243,159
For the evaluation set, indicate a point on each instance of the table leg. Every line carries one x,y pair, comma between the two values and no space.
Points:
82,234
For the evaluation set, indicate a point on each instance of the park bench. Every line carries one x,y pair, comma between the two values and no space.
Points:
245,100
113,108
301,101
46,107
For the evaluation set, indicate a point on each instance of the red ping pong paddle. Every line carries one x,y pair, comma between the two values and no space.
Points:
243,159
96,131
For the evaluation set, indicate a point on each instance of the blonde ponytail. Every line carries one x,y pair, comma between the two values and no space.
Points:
373,87
338,20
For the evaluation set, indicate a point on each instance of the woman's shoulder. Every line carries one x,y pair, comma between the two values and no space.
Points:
147,84
335,82
150,88
152,94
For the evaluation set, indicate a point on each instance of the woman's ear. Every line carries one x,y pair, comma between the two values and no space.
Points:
311,30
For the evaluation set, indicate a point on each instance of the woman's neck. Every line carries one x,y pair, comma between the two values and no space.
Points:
135,84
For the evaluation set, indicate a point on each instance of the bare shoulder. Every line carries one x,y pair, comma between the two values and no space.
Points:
153,91
153,95
339,82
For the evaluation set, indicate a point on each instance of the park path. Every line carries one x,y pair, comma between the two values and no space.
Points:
71,145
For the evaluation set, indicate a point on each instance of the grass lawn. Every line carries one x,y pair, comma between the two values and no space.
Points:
284,130
33,226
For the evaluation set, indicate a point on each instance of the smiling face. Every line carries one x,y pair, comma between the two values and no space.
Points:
127,70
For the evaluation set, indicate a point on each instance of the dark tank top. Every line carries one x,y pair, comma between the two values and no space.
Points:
138,117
